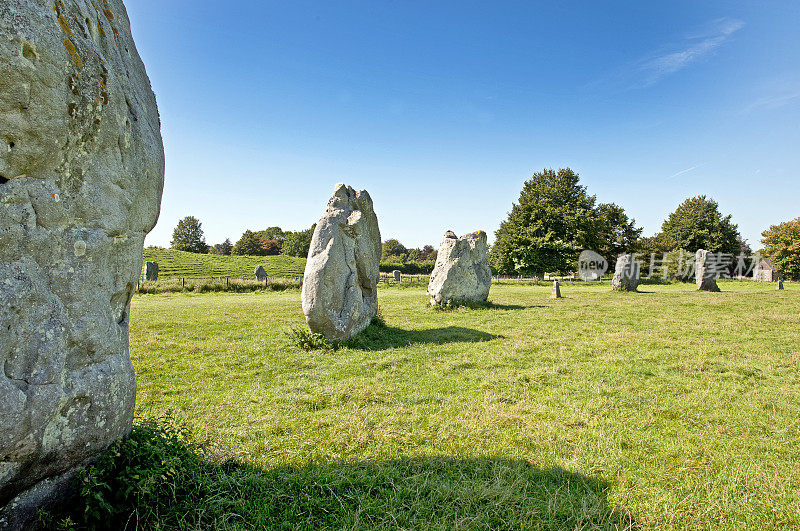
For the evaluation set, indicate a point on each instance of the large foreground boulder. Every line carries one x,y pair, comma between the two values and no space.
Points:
626,274
81,176
340,295
706,271
461,273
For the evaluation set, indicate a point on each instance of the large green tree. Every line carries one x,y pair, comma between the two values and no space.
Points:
188,236
782,247
298,243
615,232
272,233
248,244
394,251
553,220
697,223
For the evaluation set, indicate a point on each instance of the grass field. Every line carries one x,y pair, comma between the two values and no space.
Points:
667,409
173,263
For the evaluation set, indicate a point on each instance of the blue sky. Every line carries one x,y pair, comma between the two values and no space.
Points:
442,109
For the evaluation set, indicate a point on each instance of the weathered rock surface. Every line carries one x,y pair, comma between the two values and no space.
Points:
779,287
339,294
626,274
556,291
151,271
462,271
260,273
82,168
705,272
396,275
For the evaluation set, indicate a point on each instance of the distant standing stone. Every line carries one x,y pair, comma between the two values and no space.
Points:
462,270
340,288
151,271
397,275
780,284
705,275
626,274
556,291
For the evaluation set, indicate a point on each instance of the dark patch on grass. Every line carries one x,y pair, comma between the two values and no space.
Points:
472,305
160,478
380,336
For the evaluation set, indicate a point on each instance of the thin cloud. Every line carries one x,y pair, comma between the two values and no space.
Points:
773,101
687,170
651,69
692,49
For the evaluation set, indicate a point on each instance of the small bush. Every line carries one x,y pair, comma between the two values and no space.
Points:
158,476
307,340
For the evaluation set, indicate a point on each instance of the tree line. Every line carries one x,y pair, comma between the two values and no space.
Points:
554,219
188,236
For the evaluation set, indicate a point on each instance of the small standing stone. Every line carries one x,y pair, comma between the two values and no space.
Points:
705,275
556,292
780,284
396,274
151,271
261,273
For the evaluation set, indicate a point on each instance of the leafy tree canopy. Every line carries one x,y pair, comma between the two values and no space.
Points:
553,220
188,236
248,244
698,224
782,248
298,243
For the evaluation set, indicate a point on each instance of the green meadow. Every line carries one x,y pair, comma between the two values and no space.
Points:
665,409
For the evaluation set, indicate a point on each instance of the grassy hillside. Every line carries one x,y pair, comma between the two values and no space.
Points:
666,409
172,263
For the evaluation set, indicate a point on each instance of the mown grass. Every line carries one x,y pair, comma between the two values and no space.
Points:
667,409
174,263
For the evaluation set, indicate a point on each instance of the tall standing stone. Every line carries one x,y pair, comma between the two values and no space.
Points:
626,274
705,271
462,272
260,273
82,167
556,291
151,271
397,275
779,287
340,296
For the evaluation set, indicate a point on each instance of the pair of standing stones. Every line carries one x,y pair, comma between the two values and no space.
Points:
627,273
340,296
81,177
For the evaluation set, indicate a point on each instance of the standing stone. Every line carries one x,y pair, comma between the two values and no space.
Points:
779,287
151,271
704,273
462,271
397,275
626,274
556,291
261,273
340,287
82,166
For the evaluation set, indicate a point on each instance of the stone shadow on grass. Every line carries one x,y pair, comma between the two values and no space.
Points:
429,493
380,336
161,476
488,305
